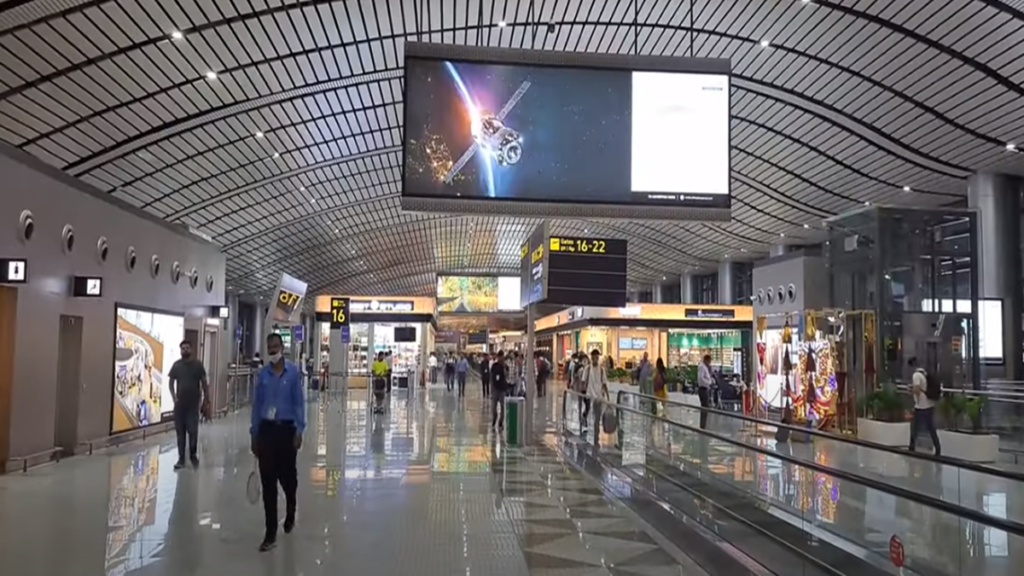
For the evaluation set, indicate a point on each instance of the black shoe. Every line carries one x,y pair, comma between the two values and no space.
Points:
267,544
289,525
195,461
179,464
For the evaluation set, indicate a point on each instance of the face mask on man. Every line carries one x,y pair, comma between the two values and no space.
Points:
274,358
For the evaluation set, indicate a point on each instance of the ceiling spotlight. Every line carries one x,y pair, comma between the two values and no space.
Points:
743,249
258,134
277,154
906,188
312,200
782,234
177,35
867,203
807,225
211,75
502,24
1011,146
765,44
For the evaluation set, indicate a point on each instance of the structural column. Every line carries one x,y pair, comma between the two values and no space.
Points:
725,283
656,295
686,288
997,199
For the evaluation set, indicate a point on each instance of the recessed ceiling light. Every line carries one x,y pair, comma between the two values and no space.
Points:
502,24
302,188
783,234
765,43
743,249
211,75
277,154
807,225
867,203
258,134
177,35
312,200
1011,146
336,231
906,188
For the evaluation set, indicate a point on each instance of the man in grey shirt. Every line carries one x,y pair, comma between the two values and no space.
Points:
188,388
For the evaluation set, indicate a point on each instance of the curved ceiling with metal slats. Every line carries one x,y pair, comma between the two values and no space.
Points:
274,127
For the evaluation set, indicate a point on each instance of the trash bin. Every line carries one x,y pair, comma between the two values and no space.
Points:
514,413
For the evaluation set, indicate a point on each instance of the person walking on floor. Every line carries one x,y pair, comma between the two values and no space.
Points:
278,421
704,382
485,373
449,370
594,386
926,390
461,371
499,388
432,364
190,391
543,372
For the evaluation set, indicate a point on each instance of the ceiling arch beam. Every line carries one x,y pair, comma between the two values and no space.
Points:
931,110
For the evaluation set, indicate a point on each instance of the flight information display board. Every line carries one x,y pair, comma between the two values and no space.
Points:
586,271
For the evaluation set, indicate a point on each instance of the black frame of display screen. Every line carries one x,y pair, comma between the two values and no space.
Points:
113,364
433,52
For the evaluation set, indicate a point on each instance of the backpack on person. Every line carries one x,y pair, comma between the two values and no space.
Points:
933,388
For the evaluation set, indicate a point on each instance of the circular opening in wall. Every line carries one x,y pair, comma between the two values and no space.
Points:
791,293
193,278
154,266
175,272
209,283
68,238
770,295
102,250
130,258
26,226
760,296
781,294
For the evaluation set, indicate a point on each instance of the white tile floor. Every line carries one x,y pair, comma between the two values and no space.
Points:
423,490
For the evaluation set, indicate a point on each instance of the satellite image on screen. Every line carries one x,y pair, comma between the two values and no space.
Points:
498,131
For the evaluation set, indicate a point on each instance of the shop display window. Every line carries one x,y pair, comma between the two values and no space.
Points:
405,353
358,350
687,348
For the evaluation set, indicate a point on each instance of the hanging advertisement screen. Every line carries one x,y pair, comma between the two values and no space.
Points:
146,346
476,294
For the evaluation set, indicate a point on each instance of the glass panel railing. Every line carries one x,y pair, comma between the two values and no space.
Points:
986,490
835,521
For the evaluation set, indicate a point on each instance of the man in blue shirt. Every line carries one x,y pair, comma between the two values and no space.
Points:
461,369
278,420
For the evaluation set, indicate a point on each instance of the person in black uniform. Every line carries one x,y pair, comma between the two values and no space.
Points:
485,373
499,388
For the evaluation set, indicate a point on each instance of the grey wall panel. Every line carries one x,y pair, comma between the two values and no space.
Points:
55,202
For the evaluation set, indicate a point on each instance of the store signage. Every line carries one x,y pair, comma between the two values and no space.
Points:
238,333
13,271
575,314
346,334
709,313
382,305
222,312
629,311
87,287
290,292
298,332
339,312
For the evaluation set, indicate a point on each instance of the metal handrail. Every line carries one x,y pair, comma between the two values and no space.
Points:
25,459
945,460
1010,526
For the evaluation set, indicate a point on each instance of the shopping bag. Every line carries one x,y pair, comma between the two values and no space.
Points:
253,489
609,419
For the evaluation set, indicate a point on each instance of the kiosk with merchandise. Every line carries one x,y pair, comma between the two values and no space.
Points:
403,325
679,334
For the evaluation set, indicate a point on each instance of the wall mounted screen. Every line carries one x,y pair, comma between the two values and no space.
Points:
146,345
477,294
565,134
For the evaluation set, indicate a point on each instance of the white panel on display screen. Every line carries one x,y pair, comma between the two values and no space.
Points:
146,346
509,289
990,324
680,140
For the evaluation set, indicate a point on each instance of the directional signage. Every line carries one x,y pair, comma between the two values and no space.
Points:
298,332
339,312
586,271
532,269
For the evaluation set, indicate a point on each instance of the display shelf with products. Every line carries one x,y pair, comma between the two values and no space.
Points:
687,348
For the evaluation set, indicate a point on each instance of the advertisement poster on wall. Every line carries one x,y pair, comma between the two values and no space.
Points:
146,346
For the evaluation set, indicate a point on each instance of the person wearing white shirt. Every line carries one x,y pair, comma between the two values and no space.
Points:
924,408
432,364
704,382
594,384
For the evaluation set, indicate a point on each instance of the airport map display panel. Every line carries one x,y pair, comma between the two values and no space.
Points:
546,133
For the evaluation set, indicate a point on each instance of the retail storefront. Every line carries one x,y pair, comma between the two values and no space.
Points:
404,325
679,334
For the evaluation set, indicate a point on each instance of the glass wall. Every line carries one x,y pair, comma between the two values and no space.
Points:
688,347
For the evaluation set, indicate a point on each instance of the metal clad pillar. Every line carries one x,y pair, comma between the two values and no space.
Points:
686,288
531,378
777,250
725,283
656,295
997,198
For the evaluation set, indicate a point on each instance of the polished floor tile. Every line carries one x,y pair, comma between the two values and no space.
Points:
424,489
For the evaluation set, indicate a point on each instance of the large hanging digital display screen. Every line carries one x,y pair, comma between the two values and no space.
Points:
477,294
146,346
548,133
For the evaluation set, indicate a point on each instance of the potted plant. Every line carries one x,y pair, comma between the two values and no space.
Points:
970,443
884,418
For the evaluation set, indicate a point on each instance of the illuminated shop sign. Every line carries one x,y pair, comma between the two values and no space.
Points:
382,305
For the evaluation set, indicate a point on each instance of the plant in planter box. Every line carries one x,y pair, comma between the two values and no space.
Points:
618,375
884,405
952,407
973,408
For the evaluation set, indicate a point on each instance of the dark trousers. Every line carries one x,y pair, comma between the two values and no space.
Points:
498,404
485,378
541,381
449,379
924,418
462,383
388,382
186,422
276,442
433,375
583,407
705,402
